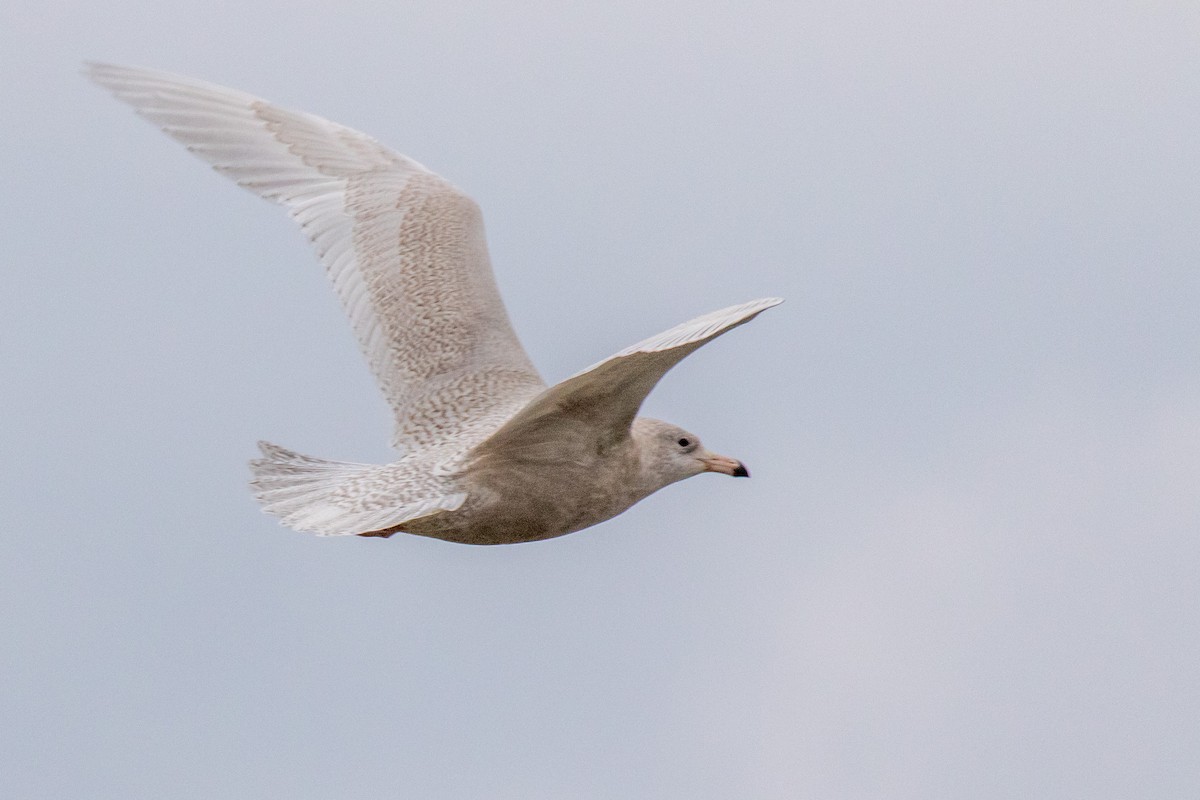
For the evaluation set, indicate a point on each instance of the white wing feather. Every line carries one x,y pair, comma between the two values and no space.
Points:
404,248
600,403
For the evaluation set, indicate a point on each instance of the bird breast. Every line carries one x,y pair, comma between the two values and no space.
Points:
517,500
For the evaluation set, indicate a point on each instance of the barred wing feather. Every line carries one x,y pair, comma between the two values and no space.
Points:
404,248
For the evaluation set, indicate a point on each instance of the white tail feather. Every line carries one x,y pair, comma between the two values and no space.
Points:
309,494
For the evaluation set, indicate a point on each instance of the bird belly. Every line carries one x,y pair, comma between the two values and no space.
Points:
501,510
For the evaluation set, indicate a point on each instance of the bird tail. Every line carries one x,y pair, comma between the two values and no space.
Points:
318,496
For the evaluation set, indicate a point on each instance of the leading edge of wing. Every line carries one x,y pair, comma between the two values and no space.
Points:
699,331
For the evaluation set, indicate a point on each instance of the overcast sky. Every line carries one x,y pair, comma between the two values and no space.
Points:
966,565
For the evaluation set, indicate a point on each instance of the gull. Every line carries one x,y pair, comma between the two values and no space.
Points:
488,453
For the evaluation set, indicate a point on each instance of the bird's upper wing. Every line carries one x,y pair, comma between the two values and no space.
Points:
594,408
404,248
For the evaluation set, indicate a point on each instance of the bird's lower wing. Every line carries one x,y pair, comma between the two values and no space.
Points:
596,406
404,248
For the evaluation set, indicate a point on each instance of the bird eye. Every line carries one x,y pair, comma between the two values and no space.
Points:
684,443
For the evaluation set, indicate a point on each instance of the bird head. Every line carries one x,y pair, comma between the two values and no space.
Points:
670,453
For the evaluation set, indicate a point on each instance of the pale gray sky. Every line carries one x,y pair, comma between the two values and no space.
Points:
966,565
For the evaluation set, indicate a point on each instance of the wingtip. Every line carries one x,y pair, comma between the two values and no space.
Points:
103,73
93,68
753,307
89,69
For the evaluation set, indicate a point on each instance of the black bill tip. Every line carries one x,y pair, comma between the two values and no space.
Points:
740,471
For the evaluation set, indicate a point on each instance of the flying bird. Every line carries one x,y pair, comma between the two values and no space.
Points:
488,454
